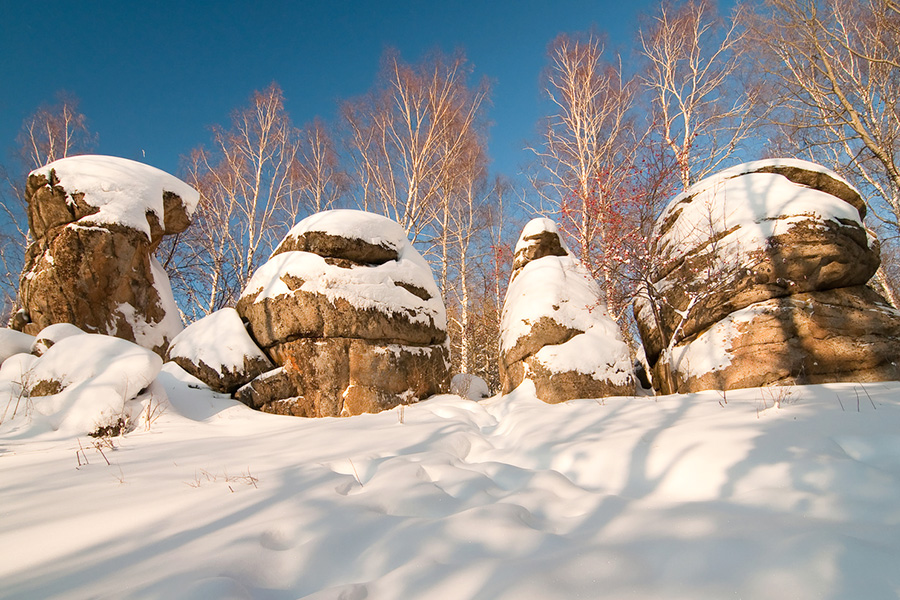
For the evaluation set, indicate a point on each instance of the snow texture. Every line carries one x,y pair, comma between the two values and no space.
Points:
99,376
219,340
364,287
784,492
469,386
123,190
14,342
354,224
51,334
755,205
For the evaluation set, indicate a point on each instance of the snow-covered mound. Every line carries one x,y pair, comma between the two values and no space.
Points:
218,350
555,326
469,386
81,384
787,492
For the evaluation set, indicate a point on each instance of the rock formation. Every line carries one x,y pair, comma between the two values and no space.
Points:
760,279
218,351
95,222
350,314
554,326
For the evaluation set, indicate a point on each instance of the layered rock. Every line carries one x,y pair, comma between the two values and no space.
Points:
349,312
750,252
96,221
554,327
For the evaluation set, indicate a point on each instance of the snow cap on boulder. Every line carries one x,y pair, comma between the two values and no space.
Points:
554,327
218,351
96,221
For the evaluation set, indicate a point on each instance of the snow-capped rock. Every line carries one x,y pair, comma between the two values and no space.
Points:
344,301
554,325
218,350
96,221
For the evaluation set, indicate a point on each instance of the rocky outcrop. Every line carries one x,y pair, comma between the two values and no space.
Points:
218,351
96,222
554,327
349,312
759,278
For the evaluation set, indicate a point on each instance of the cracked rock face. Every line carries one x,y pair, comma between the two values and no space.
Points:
742,242
96,221
350,315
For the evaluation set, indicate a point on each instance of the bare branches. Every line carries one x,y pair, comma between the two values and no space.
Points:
248,200
691,63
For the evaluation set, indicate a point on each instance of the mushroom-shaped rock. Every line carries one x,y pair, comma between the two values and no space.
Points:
351,312
554,327
218,351
96,221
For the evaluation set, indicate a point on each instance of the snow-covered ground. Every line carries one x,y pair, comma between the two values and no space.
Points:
691,496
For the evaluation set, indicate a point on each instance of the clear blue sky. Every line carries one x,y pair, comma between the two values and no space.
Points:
153,76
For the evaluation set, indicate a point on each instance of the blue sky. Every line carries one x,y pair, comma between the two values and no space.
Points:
153,76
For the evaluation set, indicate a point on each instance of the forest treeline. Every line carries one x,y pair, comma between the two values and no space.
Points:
622,135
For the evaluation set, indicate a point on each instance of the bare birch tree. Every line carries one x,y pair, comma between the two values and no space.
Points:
407,132
587,151
247,198
691,63
834,71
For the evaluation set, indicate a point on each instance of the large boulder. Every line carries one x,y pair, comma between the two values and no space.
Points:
752,233
95,222
845,334
766,239
349,312
218,351
555,330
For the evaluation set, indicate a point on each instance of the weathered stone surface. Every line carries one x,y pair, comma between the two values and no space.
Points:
85,276
554,327
95,222
350,312
304,313
538,244
847,334
764,264
339,376
714,262
267,388
328,245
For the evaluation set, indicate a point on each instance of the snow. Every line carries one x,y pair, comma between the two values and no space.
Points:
219,340
536,227
99,376
13,342
469,386
369,287
779,492
123,190
50,335
755,206
354,224
561,288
